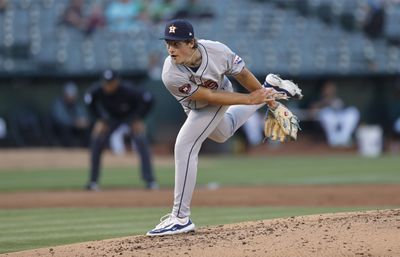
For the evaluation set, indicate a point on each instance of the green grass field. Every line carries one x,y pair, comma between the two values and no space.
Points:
228,170
34,228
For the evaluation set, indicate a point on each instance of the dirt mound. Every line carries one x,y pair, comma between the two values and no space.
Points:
373,233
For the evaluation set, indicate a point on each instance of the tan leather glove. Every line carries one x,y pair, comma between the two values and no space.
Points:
281,124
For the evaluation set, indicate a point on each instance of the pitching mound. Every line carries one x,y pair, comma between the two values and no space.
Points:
373,233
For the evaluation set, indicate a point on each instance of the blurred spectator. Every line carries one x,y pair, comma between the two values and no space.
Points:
253,129
125,15
162,10
73,15
114,102
95,19
393,110
69,118
3,128
3,5
4,133
118,139
375,19
339,122
194,9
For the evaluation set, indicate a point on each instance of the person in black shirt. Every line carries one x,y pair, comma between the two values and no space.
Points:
113,102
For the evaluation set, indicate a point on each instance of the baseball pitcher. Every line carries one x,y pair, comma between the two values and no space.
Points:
195,73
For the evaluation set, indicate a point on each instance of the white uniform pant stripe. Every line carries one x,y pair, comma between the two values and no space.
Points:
196,129
199,125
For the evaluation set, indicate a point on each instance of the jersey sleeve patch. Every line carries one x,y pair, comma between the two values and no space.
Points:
185,89
237,59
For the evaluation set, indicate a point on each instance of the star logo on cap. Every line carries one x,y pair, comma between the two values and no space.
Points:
172,29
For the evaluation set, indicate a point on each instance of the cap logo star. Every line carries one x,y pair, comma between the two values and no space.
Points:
172,29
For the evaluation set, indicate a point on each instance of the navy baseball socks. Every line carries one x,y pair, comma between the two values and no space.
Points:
171,225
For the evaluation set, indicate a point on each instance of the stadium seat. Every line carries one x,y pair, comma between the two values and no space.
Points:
260,31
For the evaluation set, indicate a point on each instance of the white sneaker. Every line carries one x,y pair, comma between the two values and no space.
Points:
287,87
170,225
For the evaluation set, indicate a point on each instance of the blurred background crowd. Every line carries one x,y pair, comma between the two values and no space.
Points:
345,55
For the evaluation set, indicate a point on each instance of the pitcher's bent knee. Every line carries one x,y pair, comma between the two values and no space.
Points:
218,138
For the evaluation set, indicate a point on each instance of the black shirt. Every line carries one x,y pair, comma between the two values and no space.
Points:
125,104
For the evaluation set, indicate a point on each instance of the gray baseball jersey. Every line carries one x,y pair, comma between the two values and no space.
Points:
204,121
217,62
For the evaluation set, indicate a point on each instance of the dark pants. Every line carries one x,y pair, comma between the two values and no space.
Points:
99,142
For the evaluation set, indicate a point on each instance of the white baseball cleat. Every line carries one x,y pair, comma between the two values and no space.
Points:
170,225
286,87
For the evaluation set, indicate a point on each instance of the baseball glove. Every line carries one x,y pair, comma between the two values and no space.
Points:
281,124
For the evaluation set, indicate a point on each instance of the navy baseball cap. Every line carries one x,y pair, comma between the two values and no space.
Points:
109,75
178,30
